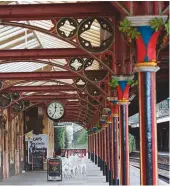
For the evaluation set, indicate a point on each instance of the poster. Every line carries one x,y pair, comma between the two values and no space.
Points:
54,169
39,143
37,161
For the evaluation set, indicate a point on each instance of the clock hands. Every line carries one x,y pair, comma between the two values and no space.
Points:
55,110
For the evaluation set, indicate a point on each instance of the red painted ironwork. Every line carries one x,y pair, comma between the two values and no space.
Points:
142,52
123,95
59,53
151,51
48,11
36,75
43,88
55,35
48,97
120,8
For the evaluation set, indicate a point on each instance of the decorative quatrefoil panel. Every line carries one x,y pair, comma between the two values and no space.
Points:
15,95
93,101
92,90
94,71
0,84
17,107
95,34
92,108
67,27
80,83
82,95
76,64
5,100
82,102
26,103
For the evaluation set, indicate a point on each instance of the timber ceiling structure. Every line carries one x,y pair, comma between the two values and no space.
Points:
68,51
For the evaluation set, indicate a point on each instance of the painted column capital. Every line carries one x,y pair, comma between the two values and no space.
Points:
123,84
146,40
144,20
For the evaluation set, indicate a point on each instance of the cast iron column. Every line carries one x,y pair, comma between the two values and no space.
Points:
146,66
123,84
124,145
101,160
89,146
103,150
98,163
110,122
104,142
95,148
115,111
107,157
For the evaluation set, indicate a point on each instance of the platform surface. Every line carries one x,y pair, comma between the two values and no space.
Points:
94,177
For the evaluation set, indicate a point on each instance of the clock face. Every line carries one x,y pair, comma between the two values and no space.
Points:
55,110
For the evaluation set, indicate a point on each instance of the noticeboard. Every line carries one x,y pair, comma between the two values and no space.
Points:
54,169
37,161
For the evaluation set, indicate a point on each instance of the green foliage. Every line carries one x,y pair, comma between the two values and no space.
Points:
132,82
132,144
167,27
59,138
125,27
83,138
156,23
133,33
80,139
114,82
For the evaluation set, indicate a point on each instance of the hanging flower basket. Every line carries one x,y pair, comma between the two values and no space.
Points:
102,122
105,125
106,110
95,129
89,132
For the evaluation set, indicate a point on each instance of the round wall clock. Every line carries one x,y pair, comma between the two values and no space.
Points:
55,111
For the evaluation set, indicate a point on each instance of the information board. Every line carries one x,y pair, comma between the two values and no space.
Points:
37,161
54,169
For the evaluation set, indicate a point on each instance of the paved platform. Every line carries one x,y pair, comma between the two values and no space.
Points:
94,177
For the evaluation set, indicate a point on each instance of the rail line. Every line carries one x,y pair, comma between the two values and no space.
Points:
163,169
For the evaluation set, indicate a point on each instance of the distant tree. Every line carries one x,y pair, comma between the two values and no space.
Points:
132,144
59,139
81,139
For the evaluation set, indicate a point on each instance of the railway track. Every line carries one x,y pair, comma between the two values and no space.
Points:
163,169
160,165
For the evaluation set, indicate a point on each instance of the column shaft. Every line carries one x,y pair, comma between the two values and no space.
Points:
98,149
148,128
115,151
93,145
110,154
107,158
88,146
124,146
104,148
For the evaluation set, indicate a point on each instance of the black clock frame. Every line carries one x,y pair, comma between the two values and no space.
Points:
55,120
